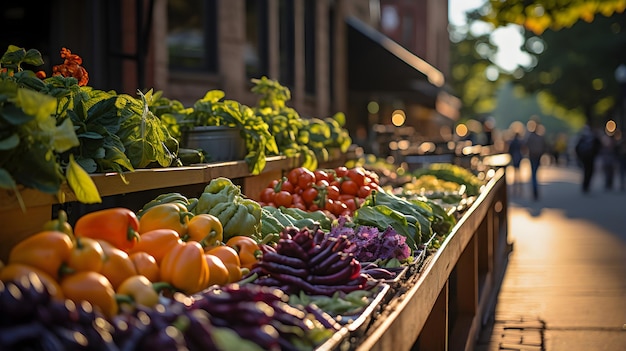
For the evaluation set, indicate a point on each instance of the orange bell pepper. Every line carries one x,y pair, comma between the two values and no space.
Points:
229,256
117,225
157,243
92,287
145,265
46,250
185,267
171,215
206,229
87,255
17,271
117,266
218,273
247,248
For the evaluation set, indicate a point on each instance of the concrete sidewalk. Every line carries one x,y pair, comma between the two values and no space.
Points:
565,284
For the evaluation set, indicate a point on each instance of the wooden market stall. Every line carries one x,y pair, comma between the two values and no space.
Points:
441,307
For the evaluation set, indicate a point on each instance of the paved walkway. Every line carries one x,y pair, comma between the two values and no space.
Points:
565,284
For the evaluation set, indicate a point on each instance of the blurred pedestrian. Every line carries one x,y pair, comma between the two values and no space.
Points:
608,159
621,161
560,148
515,151
587,148
535,145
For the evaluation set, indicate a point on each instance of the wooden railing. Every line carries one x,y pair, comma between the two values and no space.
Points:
447,303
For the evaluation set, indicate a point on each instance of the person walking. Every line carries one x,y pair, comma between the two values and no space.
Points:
608,158
515,151
587,148
535,145
621,161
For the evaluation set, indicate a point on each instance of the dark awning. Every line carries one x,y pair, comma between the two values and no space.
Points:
376,63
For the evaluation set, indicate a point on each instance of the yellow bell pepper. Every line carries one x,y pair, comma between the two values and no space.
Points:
46,250
171,215
139,290
206,229
185,267
60,224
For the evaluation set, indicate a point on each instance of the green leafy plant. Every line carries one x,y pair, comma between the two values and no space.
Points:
147,140
31,138
212,110
309,137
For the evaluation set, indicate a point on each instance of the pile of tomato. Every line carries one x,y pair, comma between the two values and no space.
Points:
339,191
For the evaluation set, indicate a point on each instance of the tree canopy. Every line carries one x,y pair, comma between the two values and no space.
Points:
576,45
539,15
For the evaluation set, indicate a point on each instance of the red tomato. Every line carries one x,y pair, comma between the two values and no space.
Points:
306,178
320,174
332,192
338,208
294,175
351,204
313,207
349,187
358,176
309,195
341,171
283,198
273,183
267,195
322,183
287,186
364,191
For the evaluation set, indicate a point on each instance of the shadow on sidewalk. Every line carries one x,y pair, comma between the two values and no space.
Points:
560,189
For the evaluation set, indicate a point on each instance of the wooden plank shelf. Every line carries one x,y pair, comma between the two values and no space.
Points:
133,189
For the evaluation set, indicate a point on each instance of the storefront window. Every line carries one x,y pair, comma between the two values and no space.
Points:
287,43
256,54
192,35
309,47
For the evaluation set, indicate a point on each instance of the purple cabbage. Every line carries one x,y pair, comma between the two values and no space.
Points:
370,244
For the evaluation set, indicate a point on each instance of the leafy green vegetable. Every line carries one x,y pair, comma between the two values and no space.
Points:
145,137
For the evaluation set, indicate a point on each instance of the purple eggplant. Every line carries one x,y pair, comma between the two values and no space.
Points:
327,320
284,259
198,330
290,248
272,267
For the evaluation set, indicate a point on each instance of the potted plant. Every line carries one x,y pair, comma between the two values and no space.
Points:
226,130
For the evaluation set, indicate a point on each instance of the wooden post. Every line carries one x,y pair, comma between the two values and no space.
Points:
434,335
